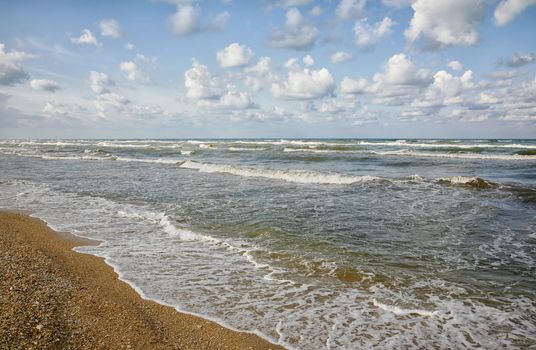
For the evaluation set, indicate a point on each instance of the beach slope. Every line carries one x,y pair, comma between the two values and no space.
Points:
52,297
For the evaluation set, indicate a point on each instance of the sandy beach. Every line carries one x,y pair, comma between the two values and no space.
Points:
54,298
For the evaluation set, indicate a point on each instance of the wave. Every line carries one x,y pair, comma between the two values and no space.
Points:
459,155
247,149
297,176
403,312
169,161
466,181
167,226
436,144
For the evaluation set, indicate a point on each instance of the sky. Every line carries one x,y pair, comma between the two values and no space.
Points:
268,69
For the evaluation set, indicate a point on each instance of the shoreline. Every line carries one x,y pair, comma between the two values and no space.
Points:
53,296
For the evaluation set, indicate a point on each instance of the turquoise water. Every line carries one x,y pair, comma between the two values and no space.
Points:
313,244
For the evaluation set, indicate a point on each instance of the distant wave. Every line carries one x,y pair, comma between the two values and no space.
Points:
459,155
305,177
436,144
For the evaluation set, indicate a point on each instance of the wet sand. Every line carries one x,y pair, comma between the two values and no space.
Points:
54,298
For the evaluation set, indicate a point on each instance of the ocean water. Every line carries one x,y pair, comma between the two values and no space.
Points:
312,244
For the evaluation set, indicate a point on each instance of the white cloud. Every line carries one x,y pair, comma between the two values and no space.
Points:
399,70
340,56
55,109
200,84
292,64
445,23
262,67
100,82
305,84
133,72
297,34
445,90
399,82
234,55
316,11
353,86
507,10
129,46
87,38
350,9
110,28
308,60
209,92
232,100
455,65
520,59
11,72
186,20
367,35
259,74
44,85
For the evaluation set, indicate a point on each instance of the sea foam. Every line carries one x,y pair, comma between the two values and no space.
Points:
297,176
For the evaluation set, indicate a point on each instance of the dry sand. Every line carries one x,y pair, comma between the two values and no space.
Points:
54,298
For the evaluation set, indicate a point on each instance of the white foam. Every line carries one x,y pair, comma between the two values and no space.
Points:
168,227
403,312
460,156
459,180
247,149
157,161
305,177
403,143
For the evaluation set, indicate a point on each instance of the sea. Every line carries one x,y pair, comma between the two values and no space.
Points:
309,243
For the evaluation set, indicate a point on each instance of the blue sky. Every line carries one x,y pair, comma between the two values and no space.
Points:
274,68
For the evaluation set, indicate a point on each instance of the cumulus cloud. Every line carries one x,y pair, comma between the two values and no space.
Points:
396,84
353,86
444,23
259,74
400,70
455,65
100,82
200,84
87,38
350,9
305,84
54,109
445,90
133,72
507,10
340,56
210,92
129,46
297,33
11,72
308,60
110,28
232,99
234,55
367,35
519,59
186,20
44,85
